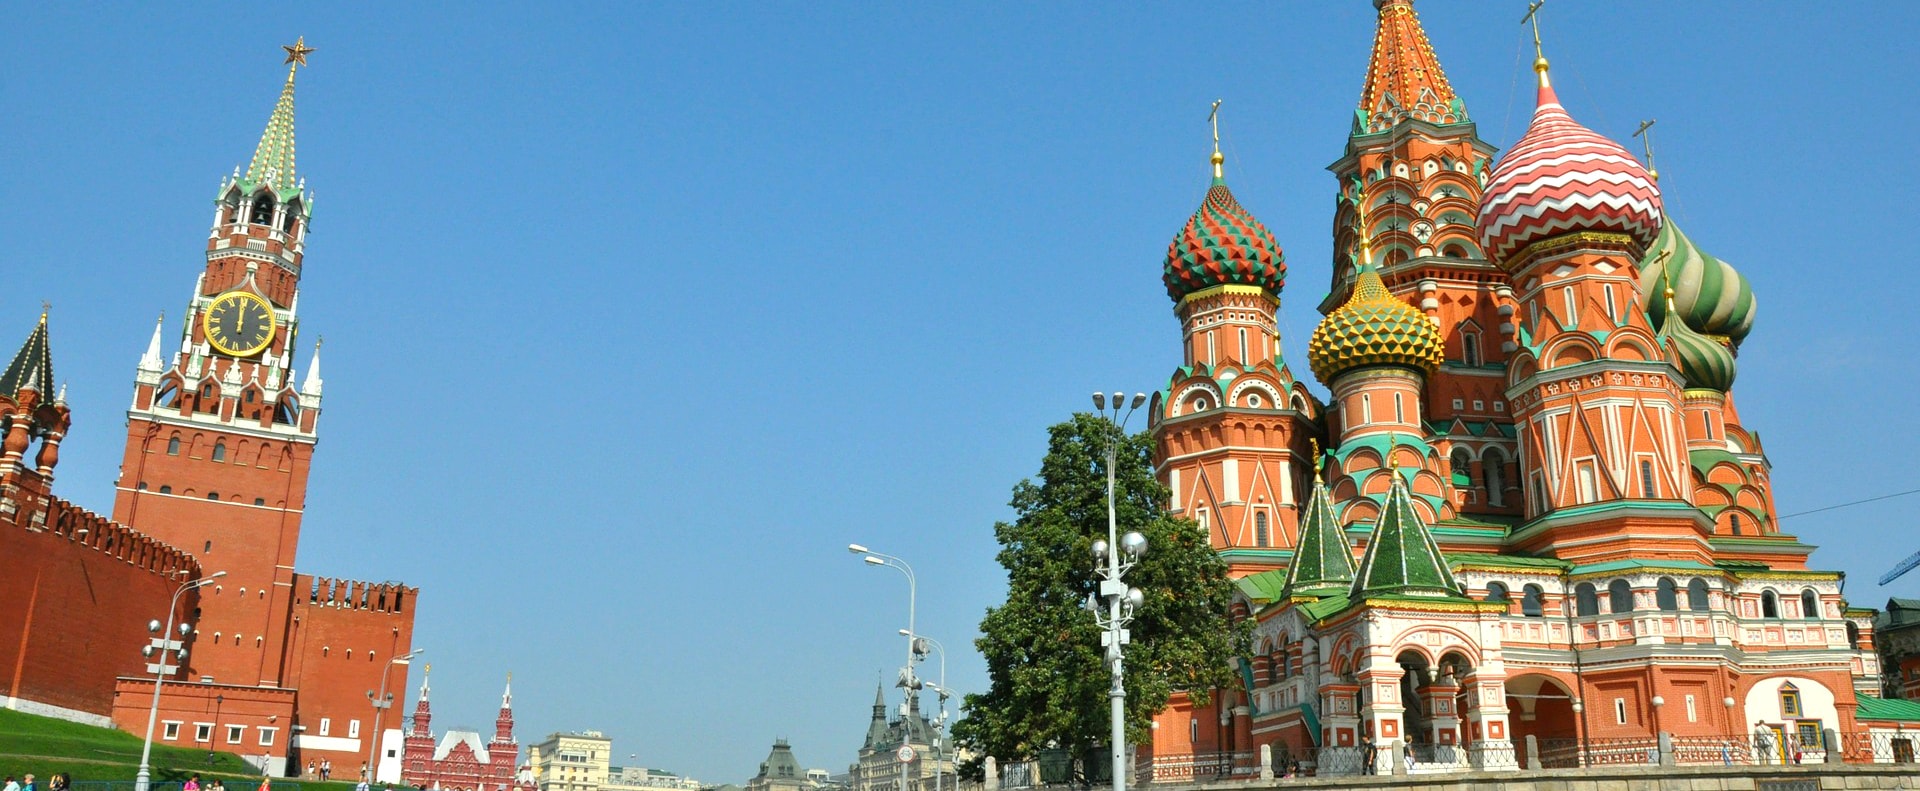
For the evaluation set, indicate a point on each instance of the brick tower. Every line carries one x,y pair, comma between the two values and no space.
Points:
1232,424
219,437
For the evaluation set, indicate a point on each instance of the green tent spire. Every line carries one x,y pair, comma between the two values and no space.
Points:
273,162
1402,557
32,366
1323,561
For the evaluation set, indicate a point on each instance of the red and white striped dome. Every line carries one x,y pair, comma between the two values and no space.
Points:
1562,178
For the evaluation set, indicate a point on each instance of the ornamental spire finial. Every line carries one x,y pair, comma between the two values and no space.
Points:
298,52
1360,222
273,160
1539,55
1315,444
1645,133
1213,119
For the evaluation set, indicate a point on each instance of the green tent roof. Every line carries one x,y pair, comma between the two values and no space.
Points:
31,366
1401,555
1323,563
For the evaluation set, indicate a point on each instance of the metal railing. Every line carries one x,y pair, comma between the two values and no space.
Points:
1880,747
1198,766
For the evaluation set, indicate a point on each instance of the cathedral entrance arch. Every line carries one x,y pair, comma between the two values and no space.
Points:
1541,706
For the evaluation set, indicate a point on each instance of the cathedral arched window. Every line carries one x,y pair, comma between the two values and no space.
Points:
220,450
1461,465
1809,604
1260,534
1668,595
1497,592
1469,345
1619,596
1532,601
1586,599
1769,604
1697,595
173,446
1733,521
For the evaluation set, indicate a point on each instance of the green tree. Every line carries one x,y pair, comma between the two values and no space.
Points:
1048,682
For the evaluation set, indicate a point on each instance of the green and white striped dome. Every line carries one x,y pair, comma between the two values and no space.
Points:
1708,294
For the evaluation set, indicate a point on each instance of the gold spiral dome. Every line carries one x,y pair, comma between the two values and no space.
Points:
1374,327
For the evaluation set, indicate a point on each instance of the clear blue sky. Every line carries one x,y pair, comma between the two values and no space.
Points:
637,314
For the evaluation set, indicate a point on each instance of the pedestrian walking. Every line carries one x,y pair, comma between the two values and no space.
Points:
27,783
1763,741
192,784
326,769
1369,757
12,784
60,781
313,770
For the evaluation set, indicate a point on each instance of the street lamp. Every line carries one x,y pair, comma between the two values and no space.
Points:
907,681
1111,568
381,703
940,722
143,779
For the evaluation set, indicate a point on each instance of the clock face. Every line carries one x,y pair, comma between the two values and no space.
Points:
239,323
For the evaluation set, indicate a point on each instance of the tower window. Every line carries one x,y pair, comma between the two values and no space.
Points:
259,501
1619,596
1399,409
1668,595
1470,348
143,486
1243,346
1809,604
1260,536
1733,521
1769,604
1497,591
1697,595
1586,599
1589,481
1612,313
166,490
1573,310
1646,479
1789,700
220,450
1531,601
1366,408
173,446
213,495
262,210
1461,465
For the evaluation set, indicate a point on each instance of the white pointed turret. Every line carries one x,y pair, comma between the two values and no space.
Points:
151,361
311,386
506,698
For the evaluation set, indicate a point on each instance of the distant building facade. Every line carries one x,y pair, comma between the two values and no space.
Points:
878,768
460,760
571,761
780,772
640,778
1897,632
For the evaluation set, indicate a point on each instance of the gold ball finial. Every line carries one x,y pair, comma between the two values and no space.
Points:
1218,158
1315,444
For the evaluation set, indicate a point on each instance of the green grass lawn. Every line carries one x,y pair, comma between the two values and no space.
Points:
43,745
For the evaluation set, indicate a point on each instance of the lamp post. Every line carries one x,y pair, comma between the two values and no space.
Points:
143,779
1111,568
907,681
939,722
381,703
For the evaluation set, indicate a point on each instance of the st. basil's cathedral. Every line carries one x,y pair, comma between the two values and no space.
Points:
1530,508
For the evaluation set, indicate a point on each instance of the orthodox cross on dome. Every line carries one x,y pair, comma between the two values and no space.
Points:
1213,119
1645,133
298,52
1539,55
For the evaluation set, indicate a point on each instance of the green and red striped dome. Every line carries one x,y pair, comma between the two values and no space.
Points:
1223,244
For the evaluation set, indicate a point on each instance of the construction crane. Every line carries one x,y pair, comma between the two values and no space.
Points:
1904,567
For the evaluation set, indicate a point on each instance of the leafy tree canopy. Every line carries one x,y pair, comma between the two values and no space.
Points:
1047,680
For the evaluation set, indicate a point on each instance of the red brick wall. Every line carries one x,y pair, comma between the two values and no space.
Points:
74,605
343,636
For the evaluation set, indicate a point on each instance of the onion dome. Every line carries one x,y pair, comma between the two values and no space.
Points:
1374,327
1705,363
1223,244
1564,178
1710,296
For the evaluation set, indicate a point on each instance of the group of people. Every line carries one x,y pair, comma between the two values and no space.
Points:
322,770
58,781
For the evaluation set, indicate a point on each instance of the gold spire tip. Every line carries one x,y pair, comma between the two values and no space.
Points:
1315,444
297,53
44,307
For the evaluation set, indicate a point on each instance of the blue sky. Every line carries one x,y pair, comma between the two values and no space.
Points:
637,314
